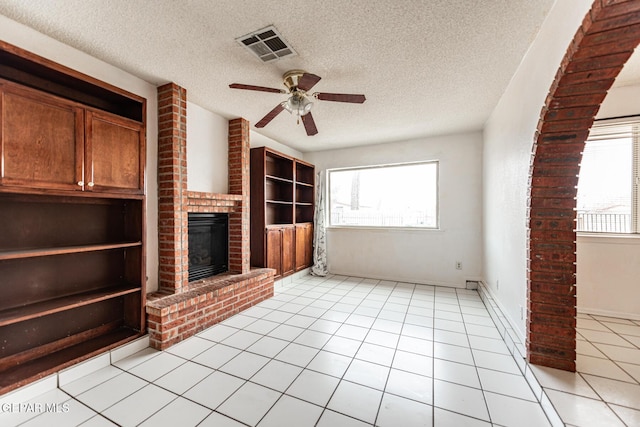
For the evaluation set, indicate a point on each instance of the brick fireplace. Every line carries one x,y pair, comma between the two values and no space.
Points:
181,309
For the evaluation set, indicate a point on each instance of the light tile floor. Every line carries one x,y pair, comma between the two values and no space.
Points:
606,389
343,352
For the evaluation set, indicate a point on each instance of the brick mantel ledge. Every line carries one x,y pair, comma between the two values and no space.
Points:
198,201
194,195
176,317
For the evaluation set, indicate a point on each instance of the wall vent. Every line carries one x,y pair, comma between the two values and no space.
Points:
267,44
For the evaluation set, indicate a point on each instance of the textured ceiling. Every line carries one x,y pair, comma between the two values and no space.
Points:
426,67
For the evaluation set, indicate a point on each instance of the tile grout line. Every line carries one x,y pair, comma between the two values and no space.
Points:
484,396
351,285
484,294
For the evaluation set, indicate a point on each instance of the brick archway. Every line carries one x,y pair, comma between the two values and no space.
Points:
603,43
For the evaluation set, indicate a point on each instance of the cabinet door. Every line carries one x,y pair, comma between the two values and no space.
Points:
115,151
304,246
42,140
288,250
274,250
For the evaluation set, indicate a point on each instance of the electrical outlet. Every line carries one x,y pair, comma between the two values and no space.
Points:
521,313
498,284
458,265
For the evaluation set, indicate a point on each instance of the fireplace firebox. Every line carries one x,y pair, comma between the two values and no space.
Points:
208,244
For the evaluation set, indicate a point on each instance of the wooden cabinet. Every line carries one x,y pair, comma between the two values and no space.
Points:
115,153
304,245
52,143
273,249
42,140
280,249
282,201
72,217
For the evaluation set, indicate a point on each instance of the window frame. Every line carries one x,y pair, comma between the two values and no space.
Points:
600,126
328,215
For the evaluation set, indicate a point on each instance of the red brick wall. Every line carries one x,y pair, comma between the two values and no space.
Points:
174,200
198,201
174,318
181,309
172,188
601,46
224,203
239,184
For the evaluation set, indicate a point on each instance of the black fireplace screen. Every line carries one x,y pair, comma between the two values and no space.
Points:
208,244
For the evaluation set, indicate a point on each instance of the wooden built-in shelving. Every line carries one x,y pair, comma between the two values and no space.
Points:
32,253
32,311
277,178
72,217
21,371
282,208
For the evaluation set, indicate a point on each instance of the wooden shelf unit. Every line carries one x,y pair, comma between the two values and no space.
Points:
72,217
32,253
305,192
282,209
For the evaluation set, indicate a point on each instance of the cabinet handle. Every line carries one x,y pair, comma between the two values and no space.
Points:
80,183
90,184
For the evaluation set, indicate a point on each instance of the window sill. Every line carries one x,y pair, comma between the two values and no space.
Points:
614,238
374,228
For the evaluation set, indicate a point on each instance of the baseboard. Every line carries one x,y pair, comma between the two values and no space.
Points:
514,343
609,313
404,280
65,376
291,278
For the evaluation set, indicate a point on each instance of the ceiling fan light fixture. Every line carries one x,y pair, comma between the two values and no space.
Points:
298,105
299,83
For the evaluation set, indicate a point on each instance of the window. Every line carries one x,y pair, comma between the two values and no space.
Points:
401,195
608,181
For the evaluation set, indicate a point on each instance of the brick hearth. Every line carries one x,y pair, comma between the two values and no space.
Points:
181,309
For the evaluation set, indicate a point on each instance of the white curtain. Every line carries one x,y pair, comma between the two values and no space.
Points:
319,233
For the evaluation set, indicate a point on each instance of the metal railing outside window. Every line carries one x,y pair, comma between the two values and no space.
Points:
608,185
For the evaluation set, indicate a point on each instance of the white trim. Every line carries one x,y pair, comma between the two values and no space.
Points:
608,238
83,369
394,278
31,391
379,166
65,376
483,285
381,228
609,313
622,128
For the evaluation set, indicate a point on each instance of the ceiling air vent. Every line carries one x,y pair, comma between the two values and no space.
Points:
267,44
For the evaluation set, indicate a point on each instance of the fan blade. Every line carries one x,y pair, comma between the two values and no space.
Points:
270,116
309,124
340,97
307,81
258,88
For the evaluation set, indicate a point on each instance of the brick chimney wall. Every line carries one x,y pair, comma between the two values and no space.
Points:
181,309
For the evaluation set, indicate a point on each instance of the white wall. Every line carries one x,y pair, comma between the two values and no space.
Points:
420,256
207,151
608,272
620,102
258,140
33,41
508,141
609,266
